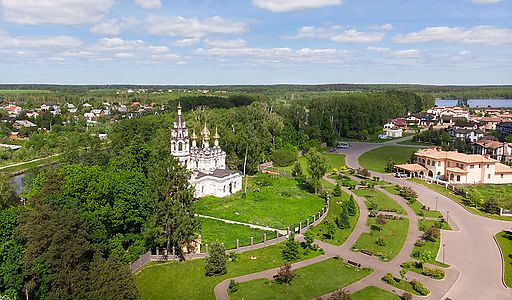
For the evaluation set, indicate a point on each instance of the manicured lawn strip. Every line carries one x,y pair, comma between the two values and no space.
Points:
311,281
417,206
376,159
341,235
404,285
504,239
418,270
394,232
430,223
459,199
372,292
280,205
383,201
218,231
186,280
433,247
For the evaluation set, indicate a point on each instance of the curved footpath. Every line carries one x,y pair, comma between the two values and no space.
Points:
472,250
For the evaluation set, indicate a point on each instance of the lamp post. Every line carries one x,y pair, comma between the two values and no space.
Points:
436,203
443,252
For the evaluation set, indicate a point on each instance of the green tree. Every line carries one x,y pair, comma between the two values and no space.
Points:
216,262
11,253
343,221
297,170
425,257
491,206
7,189
317,167
351,206
172,223
390,166
290,250
432,234
340,294
110,279
309,237
331,230
337,190
285,274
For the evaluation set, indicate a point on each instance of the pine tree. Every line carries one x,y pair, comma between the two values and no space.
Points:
343,220
297,170
216,263
337,190
291,249
351,206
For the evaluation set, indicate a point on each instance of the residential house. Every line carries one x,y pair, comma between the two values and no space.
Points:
32,114
501,151
504,129
13,110
488,123
23,123
457,168
471,135
71,108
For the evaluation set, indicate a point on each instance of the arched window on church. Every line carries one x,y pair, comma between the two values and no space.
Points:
180,146
174,146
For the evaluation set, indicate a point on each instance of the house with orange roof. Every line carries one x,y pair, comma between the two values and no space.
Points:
457,168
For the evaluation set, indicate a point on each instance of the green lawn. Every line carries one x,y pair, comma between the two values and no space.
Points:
417,206
430,223
504,239
459,199
418,270
404,285
394,233
376,159
384,202
334,211
334,161
218,231
433,247
186,279
311,281
372,292
415,143
279,205
501,192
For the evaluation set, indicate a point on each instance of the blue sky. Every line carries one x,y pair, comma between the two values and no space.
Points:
256,41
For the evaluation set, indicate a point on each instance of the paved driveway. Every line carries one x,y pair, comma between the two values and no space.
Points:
472,250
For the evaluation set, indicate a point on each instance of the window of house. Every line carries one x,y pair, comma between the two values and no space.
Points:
488,176
433,163
428,162
501,175
487,166
439,163
448,164
458,177
471,166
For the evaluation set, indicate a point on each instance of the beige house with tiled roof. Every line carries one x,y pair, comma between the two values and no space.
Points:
457,168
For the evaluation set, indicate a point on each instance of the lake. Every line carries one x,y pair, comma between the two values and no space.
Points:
502,103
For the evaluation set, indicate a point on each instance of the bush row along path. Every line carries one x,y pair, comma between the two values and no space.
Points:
438,287
471,249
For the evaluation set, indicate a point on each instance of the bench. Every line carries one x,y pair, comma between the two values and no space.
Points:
367,252
354,263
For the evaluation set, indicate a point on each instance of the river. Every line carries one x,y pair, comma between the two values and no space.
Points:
496,103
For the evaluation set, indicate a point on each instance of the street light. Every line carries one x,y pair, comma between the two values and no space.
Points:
443,252
436,202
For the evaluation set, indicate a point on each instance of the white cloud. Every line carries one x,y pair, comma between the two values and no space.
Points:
65,12
36,42
336,33
488,35
407,53
292,5
485,1
185,42
112,27
158,49
238,43
192,27
149,4
387,26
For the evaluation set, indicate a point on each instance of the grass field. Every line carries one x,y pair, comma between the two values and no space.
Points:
501,192
504,239
376,160
394,233
334,211
333,161
186,279
404,285
372,292
429,223
383,201
415,143
311,281
218,231
433,247
459,199
281,204
417,206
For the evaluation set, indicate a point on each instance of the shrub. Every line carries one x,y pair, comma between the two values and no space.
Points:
408,264
406,296
233,256
431,234
264,180
340,294
408,193
388,278
297,170
491,206
381,242
433,273
363,172
285,274
374,227
372,205
419,287
381,219
420,243
284,156
216,263
233,286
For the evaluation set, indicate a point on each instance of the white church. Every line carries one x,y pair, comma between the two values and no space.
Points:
207,163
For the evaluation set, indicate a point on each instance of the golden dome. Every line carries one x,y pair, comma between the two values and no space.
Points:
205,133
194,136
216,136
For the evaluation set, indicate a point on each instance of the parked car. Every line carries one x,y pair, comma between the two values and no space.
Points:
400,175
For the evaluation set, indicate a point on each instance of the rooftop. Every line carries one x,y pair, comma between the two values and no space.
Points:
437,153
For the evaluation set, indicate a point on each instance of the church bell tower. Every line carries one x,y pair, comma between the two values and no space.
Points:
180,143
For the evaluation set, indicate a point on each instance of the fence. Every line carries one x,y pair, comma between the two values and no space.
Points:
150,256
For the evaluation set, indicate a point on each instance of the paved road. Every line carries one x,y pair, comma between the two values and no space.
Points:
472,250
